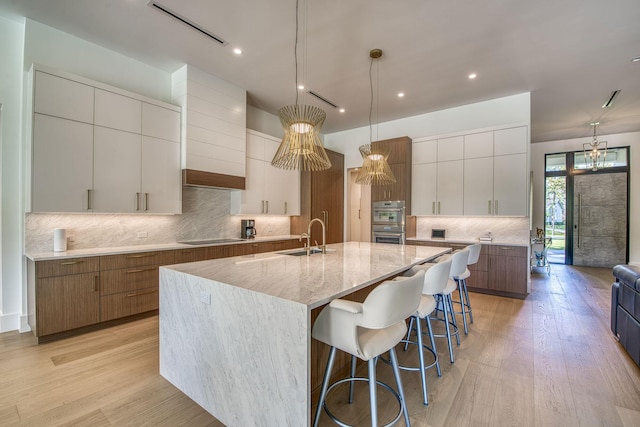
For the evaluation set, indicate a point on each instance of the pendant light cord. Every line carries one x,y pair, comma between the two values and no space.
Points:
295,50
370,103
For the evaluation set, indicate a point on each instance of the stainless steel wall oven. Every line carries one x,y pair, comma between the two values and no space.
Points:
388,222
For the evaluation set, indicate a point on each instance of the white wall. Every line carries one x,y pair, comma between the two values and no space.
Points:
11,229
631,139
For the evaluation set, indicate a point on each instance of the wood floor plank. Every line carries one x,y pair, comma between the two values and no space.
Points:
513,405
629,417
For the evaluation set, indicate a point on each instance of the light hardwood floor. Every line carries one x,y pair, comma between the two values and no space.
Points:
545,361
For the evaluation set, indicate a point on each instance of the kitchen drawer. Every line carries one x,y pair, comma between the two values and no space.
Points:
66,266
220,251
128,303
128,279
502,250
138,259
482,264
191,255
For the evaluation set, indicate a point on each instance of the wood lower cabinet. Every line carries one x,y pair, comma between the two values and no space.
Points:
73,293
130,283
63,294
500,270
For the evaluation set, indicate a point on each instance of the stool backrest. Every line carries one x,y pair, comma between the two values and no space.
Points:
459,263
392,302
436,277
474,253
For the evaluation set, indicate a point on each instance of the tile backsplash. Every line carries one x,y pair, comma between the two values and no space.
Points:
205,215
503,229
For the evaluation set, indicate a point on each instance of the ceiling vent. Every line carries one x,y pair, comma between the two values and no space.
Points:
609,101
154,4
323,99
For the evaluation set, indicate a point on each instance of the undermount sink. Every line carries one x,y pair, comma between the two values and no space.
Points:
301,252
211,241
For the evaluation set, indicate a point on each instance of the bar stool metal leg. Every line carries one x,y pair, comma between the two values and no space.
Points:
396,374
462,307
423,374
433,343
467,301
373,398
325,386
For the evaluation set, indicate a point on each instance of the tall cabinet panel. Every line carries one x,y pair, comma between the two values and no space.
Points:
400,164
116,171
322,196
62,165
268,190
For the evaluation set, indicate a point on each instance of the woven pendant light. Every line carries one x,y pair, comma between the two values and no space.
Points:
375,168
301,147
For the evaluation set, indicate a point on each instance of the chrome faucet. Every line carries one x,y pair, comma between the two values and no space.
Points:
324,236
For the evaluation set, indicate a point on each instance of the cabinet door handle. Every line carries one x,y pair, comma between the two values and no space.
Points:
489,207
285,207
70,262
139,256
579,218
433,207
146,201
438,208
495,207
89,204
137,202
96,283
135,294
140,270
267,204
262,206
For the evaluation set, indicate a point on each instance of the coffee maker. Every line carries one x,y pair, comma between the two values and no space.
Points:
248,228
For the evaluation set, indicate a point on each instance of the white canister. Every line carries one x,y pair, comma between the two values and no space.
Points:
59,240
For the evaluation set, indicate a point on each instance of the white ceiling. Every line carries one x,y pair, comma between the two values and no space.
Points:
570,54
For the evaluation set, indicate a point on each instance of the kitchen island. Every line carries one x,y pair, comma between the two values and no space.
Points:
235,333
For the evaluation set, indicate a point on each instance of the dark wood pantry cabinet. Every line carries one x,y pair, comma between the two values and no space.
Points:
322,196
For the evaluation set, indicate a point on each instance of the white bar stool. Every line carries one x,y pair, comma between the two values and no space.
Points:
465,304
435,280
445,302
366,330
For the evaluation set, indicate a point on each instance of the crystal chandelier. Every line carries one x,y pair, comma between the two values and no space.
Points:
595,152
375,169
301,147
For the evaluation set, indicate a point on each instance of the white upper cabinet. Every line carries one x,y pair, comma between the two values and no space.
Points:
62,165
269,190
64,98
160,122
476,174
478,186
118,112
478,145
116,171
510,185
510,141
101,149
450,149
161,176
450,188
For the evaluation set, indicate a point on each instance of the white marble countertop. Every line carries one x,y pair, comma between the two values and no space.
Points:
317,279
472,241
80,253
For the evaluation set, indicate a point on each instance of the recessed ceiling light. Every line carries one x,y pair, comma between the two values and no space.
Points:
401,95
237,51
472,76
301,87
342,110
636,59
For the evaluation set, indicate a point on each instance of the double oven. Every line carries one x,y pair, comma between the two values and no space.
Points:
388,222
